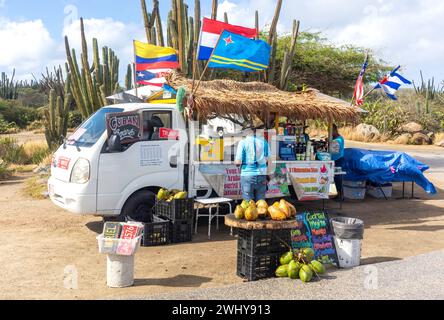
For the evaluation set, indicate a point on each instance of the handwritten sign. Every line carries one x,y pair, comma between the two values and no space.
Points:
311,180
126,125
313,231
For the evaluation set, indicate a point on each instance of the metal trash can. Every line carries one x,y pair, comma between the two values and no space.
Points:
348,235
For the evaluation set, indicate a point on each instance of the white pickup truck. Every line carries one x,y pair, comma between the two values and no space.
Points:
93,174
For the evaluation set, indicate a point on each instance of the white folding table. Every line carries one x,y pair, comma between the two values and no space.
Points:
210,204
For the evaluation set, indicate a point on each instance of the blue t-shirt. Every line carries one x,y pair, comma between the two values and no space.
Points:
254,160
337,148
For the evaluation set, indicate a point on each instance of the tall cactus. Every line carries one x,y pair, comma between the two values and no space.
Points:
92,84
129,77
56,115
9,89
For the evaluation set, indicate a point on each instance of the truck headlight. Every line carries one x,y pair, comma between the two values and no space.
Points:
80,172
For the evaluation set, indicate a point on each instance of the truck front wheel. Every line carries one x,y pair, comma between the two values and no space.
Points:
139,207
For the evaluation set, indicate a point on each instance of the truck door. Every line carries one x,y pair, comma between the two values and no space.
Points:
154,161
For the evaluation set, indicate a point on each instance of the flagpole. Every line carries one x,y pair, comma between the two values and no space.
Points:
206,66
135,69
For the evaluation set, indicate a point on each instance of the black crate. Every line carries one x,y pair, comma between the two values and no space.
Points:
253,268
181,231
176,209
258,242
156,233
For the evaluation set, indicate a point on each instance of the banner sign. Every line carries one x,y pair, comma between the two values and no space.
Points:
169,134
126,125
311,180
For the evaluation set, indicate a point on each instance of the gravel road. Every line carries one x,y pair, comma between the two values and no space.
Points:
419,277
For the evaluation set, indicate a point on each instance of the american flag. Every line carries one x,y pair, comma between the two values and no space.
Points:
359,89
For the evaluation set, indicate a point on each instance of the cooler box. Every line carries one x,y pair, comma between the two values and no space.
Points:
378,192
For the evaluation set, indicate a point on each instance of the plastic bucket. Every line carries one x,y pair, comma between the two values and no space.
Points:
120,271
349,252
348,235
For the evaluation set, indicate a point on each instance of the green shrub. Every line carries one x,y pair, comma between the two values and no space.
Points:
5,171
12,112
29,153
6,127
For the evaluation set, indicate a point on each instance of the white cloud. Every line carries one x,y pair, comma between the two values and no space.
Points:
29,46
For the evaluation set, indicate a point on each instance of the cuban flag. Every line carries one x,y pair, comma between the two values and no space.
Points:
391,83
211,31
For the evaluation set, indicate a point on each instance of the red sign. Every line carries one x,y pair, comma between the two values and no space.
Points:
169,134
63,163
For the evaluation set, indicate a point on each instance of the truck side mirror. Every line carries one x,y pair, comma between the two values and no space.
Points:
114,144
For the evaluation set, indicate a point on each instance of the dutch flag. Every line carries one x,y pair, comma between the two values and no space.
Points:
211,31
391,83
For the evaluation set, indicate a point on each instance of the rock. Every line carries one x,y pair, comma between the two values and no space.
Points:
440,143
431,135
420,139
411,127
403,139
367,131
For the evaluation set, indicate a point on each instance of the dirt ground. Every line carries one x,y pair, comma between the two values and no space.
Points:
39,241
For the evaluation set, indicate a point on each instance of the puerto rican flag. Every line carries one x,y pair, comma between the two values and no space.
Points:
391,83
155,77
211,31
359,89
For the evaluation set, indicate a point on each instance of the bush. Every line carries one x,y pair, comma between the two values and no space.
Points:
12,112
5,172
6,127
29,153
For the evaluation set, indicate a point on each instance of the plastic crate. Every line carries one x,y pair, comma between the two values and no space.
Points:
355,184
258,242
156,233
120,247
354,193
181,231
176,209
253,268
380,192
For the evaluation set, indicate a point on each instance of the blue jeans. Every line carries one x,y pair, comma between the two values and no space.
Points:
254,187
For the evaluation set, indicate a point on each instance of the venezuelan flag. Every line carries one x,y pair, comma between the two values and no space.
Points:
149,57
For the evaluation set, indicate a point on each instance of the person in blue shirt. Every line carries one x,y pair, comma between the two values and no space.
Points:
337,147
252,156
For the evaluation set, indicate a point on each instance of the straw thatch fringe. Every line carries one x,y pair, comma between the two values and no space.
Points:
257,99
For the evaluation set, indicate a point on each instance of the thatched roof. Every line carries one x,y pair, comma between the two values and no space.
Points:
227,97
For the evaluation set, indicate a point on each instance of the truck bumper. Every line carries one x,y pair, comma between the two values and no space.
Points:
65,196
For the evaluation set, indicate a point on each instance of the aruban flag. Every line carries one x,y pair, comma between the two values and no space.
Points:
153,63
359,88
237,52
391,83
211,31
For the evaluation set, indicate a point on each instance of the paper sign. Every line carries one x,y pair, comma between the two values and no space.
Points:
311,180
169,134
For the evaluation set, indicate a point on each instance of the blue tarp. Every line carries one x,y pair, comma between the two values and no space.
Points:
383,167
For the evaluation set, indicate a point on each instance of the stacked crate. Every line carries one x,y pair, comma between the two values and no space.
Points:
259,252
180,214
156,233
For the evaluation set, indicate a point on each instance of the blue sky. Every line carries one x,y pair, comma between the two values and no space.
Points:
405,32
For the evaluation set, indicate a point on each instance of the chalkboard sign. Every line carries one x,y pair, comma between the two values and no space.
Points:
126,125
314,232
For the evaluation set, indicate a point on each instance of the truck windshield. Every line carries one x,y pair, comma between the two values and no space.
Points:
92,129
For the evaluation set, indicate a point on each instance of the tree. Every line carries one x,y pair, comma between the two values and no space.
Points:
329,68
